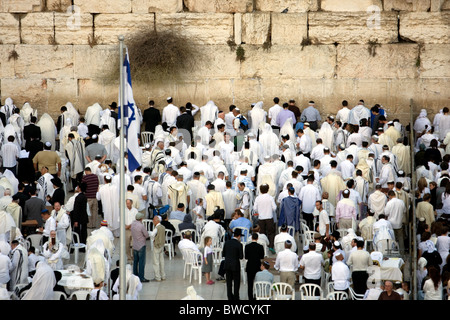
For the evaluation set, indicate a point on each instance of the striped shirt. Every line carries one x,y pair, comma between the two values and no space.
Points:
92,183
10,154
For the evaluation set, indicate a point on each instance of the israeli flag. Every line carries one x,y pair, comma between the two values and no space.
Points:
132,119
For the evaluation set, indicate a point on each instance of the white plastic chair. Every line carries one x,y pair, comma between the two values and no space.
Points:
76,246
337,295
148,224
282,291
291,230
245,234
330,287
308,291
193,234
79,295
146,137
35,240
169,243
57,295
262,290
243,273
308,237
187,261
354,295
342,232
217,257
175,223
196,265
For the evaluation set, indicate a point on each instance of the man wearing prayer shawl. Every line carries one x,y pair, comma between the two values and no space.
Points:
444,123
75,154
339,136
106,138
54,251
332,183
92,118
213,200
44,184
384,139
157,155
359,112
392,132
403,154
290,210
387,172
269,141
208,112
377,201
8,108
179,192
48,129
108,194
19,259
326,133
258,116
197,188
42,285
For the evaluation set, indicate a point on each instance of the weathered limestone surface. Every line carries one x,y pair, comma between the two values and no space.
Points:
407,5
146,6
96,62
291,5
392,61
255,27
350,27
20,6
435,61
44,61
313,62
425,27
200,28
289,29
37,28
9,29
6,63
104,6
109,26
73,30
229,6
349,5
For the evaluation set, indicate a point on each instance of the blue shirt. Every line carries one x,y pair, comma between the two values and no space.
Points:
284,115
179,215
241,222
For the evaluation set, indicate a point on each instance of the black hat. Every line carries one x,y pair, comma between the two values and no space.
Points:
113,105
237,232
57,182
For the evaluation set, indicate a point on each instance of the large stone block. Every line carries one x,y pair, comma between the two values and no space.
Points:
407,5
59,5
289,29
292,62
349,5
101,61
255,27
59,92
229,6
44,61
20,6
32,90
38,28
109,26
392,61
6,62
352,27
71,29
200,28
92,91
104,6
425,27
146,6
9,29
291,5
435,61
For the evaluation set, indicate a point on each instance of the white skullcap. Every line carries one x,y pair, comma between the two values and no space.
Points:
94,136
48,144
147,146
168,98
336,243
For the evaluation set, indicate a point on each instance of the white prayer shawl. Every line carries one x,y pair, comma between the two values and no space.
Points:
198,190
72,114
9,130
13,181
8,108
42,284
326,133
421,122
75,152
19,273
97,265
387,174
6,223
212,200
45,186
107,138
92,115
269,141
230,202
288,129
354,137
48,129
444,126
258,116
377,202
312,135
208,112
107,119
366,133
17,122
63,227
357,113
109,196
403,155
178,193
393,133
333,184
63,133
339,137
436,121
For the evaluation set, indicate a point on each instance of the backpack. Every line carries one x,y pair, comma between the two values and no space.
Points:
243,123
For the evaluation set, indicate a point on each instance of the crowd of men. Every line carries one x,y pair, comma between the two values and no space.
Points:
274,173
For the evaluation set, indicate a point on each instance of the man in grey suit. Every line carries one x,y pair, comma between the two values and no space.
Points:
33,208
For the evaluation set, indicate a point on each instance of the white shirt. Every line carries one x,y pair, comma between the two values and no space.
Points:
394,212
170,114
347,168
5,267
305,144
286,261
309,194
50,225
220,185
130,215
273,114
340,274
324,219
10,154
140,192
312,263
317,152
265,206
187,244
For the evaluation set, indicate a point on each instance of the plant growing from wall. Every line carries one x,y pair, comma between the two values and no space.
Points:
372,48
13,55
240,53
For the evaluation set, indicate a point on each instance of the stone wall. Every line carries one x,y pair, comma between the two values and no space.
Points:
382,51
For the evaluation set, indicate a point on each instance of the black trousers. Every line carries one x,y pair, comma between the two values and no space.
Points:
233,284
309,218
250,280
359,279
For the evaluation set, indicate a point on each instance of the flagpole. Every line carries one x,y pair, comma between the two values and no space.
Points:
123,257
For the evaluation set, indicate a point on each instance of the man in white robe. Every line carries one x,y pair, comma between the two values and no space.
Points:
19,259
332,183
326,132
444,123
208,112
377,201
45,185
403,155
106,138
421,122
358,112
108,194
92,115
387,172
258,117
48,129
197,188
